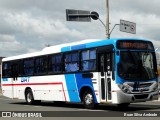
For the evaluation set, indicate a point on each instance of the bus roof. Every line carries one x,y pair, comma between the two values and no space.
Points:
88,43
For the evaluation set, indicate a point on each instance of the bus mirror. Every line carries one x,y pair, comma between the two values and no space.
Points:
117,53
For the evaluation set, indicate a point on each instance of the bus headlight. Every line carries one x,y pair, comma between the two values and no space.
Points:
155,87
124,88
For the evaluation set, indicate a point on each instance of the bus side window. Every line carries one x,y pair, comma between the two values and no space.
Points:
72,62
88,60
40,65
28,66
6,69
55,63
15,69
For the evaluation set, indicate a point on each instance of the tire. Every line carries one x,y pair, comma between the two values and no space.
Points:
122,105
88,100
29,97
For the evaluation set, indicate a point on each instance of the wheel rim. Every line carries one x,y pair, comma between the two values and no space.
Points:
29,97
88,99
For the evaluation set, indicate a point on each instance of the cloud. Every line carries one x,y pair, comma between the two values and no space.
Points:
137,6
7,38
9,45
30,30
29,25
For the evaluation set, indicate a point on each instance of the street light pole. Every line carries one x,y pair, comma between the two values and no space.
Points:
107,19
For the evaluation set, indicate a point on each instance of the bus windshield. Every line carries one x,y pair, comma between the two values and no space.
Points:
137,65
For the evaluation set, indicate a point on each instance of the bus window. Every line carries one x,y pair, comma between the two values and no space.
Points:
72,62
40,65
137,65
55,63
28,66
6,70
88,60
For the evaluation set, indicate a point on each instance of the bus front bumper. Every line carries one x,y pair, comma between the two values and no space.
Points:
130,98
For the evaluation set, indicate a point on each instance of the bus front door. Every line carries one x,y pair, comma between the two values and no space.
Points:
105,75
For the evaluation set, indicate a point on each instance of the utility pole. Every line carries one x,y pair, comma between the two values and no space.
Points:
107,19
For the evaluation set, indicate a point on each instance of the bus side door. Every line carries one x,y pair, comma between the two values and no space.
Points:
105,60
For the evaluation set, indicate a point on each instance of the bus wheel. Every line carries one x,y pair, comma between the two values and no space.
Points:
29,97
88,100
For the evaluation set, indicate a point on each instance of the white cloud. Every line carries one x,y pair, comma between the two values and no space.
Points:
7,38
9,45
29,25
45,27
31,30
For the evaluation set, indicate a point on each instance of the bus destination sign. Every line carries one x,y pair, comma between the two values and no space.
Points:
135,45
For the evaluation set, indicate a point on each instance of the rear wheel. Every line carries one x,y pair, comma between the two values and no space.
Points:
29,97
88,100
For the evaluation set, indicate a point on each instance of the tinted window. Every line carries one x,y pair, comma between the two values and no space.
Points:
137,65
40,65
72,62
55,63
6,69
88,60
28,66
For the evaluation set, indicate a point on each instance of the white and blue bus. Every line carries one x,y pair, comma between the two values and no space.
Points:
113,71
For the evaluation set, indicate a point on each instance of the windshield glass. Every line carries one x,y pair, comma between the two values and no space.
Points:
137,65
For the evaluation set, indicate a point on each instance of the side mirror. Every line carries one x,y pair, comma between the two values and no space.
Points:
117,53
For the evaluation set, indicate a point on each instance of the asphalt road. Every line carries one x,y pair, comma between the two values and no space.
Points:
7,104
69,111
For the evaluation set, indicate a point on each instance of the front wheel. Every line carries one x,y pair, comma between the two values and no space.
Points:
88,100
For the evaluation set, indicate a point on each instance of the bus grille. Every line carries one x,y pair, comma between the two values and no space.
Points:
140,87
141,96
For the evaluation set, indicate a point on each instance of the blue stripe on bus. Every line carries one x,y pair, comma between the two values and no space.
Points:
84,82
97,43
71,83
72,88
77,47
64,49
4,79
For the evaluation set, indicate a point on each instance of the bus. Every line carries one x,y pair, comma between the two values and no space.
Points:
111,71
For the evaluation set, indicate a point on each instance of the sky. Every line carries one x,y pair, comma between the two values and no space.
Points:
30,25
